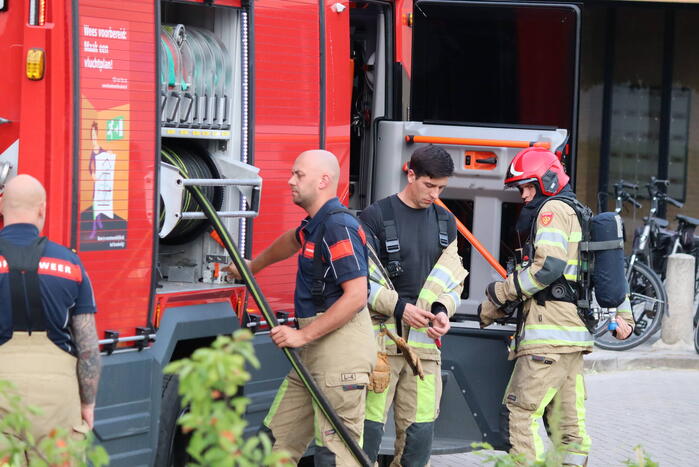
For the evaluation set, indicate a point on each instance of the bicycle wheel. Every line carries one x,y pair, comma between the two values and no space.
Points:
648,303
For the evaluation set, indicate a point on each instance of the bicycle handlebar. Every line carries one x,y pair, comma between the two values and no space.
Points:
673,201
633,201
658,182
623,184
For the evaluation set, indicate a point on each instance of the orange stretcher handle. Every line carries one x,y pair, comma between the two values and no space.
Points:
497,143
476,244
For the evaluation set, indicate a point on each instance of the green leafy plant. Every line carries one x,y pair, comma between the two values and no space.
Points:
58,449
642,459
209,383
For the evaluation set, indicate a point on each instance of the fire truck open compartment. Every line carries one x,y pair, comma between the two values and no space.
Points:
371,52
203,129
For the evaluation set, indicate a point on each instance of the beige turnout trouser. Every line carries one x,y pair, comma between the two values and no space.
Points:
340,363
45,377
415,408
538,384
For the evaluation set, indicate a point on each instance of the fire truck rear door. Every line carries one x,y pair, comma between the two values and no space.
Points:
487,79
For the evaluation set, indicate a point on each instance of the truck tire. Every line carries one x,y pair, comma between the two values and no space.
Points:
172,443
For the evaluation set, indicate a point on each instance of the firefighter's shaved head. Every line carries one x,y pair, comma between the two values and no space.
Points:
314,179
24,202
323,162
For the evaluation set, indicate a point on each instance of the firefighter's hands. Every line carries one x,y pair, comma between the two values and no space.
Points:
285,336
496,293
623,329
488,313
440,326
415,317
233,272
87,411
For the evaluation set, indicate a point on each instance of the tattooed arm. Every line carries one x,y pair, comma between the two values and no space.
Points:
85,336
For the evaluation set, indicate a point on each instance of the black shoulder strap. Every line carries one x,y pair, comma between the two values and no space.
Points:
390,230
443,222
318,284
25,292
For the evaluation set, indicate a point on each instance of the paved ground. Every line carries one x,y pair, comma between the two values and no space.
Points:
656,408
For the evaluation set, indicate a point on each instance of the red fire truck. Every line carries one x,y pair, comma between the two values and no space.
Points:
107,102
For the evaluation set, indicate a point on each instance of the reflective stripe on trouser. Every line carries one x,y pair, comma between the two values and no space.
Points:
538,384
340,363
415,406
45,377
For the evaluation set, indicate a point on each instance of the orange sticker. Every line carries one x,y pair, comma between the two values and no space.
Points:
546,218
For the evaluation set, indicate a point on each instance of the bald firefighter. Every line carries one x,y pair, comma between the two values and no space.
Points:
334,338
551,336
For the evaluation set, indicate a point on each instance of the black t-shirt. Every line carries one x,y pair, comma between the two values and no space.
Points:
418,235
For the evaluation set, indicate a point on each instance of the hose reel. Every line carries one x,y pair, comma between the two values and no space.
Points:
192,162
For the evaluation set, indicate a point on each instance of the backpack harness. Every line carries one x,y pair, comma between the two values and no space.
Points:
25,292
391,242
580,291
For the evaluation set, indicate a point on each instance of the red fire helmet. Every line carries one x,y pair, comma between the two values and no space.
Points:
540,165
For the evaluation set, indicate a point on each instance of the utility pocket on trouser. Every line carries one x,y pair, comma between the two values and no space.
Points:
346,393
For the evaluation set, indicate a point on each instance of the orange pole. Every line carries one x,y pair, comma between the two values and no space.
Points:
476,244
497,143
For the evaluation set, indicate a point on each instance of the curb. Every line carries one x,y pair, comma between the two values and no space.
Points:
644,361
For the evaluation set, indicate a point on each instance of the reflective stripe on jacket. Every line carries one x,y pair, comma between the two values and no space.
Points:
555,326
444,285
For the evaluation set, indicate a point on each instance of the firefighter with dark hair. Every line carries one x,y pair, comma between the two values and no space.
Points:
48,341
551,336
334,335
416,277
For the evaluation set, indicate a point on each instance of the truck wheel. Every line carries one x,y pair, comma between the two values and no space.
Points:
172,442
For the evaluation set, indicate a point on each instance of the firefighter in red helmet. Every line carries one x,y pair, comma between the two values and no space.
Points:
551,337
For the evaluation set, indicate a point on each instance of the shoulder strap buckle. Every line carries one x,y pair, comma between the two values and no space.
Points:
442,222
392,245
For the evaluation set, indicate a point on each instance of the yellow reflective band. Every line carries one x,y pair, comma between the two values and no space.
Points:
551,236
534,427
556,342
316,426
440,283
527,283
556,327
580,409
277,401
428,295
426,400
575,237
562,246
376,406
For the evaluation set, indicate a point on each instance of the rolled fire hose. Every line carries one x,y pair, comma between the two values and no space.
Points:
254,289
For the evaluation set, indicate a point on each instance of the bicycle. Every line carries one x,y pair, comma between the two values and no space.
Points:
646,292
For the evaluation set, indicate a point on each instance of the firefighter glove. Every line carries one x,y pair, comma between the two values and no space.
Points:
381,375
488,312
408,353
496,293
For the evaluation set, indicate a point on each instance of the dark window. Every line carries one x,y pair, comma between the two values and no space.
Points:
494,64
